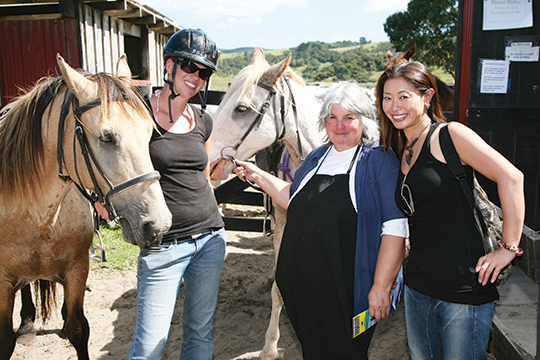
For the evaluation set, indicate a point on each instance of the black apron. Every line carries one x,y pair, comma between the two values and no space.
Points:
315,271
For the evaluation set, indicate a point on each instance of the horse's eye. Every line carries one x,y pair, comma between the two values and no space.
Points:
241,109
106,137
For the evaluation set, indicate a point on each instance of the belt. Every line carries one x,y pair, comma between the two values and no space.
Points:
189,237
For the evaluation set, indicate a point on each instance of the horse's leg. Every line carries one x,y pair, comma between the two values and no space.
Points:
76,325
280,216
64,317
7,336
270,350
27,331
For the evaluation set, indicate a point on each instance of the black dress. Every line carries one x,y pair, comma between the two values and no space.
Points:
315,270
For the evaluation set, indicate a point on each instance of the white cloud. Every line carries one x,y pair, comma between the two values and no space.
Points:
373,6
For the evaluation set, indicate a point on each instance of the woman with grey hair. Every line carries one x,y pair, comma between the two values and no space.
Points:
343,243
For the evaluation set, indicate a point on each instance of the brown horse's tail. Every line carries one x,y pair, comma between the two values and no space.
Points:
47,295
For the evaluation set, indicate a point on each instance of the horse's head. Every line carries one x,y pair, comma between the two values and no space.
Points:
117,127
399,57
248,117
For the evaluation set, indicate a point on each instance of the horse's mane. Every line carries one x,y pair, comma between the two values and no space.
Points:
249,76
21,139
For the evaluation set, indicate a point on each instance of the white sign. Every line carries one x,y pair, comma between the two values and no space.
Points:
521,51
507,14
494,76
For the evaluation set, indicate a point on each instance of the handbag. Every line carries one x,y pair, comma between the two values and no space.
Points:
486,215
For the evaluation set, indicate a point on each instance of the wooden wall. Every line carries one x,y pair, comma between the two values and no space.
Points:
104,39
509,122
92,42
28,52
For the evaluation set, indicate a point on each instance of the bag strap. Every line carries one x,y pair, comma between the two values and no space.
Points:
456,167
454,163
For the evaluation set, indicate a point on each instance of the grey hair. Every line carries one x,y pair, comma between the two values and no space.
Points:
352,97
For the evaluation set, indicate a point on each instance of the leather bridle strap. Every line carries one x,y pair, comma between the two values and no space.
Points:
295,113
90,158
257,121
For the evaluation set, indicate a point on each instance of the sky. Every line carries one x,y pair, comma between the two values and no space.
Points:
278,24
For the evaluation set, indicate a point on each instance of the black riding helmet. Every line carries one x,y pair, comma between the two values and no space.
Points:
195,45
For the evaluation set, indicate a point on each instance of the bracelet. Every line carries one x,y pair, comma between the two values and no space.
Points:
513,248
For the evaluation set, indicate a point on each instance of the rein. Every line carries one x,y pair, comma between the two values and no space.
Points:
90,158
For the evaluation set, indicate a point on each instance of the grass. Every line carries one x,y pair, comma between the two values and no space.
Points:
119,254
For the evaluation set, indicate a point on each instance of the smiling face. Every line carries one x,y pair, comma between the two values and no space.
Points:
403,104
344,128
186,85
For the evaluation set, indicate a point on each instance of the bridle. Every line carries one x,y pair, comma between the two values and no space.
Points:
254,126
89,158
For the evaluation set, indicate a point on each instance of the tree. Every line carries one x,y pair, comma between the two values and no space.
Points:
432,25
364,41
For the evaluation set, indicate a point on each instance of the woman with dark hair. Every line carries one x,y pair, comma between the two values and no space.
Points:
450,292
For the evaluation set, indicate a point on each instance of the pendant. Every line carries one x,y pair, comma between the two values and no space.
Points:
408,157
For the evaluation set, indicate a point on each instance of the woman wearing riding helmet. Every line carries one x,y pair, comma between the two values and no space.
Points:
194,247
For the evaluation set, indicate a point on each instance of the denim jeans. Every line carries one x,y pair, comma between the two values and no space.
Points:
438,329
159,276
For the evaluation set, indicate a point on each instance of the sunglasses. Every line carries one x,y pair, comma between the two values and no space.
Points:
190,67
407,204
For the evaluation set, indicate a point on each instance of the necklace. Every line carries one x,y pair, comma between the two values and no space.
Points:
408,148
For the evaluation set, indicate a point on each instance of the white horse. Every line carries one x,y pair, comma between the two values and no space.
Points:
264,104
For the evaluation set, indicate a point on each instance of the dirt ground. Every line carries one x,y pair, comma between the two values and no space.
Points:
241,319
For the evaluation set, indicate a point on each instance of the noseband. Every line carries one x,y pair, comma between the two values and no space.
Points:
260,114
90,158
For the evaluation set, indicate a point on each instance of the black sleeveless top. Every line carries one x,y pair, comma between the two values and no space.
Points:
181,160
445,243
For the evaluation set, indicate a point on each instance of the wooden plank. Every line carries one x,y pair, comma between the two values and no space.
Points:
90,40
116,52
246,224
98,38
108,64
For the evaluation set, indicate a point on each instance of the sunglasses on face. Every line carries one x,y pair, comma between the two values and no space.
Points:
407,204
190,67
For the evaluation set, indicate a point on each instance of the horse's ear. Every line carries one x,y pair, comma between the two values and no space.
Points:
83,88
258,56
122,67
275,71
389,54
410,53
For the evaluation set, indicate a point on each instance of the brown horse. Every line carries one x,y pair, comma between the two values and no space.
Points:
69,141
446,93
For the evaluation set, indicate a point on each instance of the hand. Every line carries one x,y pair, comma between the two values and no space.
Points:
101,210
379,302
246,170
490,265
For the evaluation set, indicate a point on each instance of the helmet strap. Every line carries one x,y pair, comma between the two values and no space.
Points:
203,98
173,95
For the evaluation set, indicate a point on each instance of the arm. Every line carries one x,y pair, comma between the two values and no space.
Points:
474,151
277,189
389,261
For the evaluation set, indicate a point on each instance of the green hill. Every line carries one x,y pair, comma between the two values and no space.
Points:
317,62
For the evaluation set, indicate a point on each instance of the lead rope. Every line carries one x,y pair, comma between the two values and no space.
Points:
93,255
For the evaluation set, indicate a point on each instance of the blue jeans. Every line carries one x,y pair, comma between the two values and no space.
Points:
438,329
159,276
